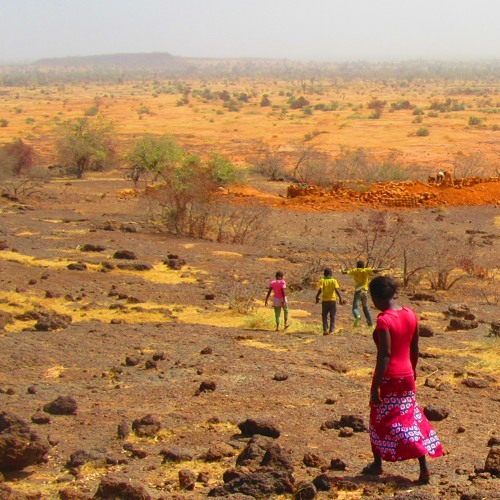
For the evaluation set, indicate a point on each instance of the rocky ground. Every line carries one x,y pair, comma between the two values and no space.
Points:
124,375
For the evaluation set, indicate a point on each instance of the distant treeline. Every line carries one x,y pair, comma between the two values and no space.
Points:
128,67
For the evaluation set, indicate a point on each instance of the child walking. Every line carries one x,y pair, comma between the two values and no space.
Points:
328,289
399,430
278,287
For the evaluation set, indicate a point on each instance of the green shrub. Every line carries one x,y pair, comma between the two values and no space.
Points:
422,132
92,111
3,122
265,101
475,121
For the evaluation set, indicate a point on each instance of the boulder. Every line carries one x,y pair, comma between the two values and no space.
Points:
77,266
176,455
114,487
89,247
48,321
436,413
63,405
305,490
20,447
146,426
187,479
355,422
263,483
277,458
475,383
462,324
254,451
252,426
493,460
124,254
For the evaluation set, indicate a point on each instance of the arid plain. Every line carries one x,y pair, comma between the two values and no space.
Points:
156,341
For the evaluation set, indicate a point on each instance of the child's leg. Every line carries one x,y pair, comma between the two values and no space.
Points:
366,309
324,316
285,313
425,474
277,314
333,313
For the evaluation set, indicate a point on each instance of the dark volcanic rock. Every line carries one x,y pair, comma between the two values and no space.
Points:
493,460
323,482
118,487
259,426
263,483
49,321
313,460
277,458
89,247
355,422
305,490
218,451
124,254
77,266
82,457
135,266
146,426
187,479
462,324
425,330
20,447
176,455
254,451
63,405
40,418
132,360
475,383
123,430
435,413
206,386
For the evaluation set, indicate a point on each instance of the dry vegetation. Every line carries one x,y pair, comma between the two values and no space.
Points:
150,334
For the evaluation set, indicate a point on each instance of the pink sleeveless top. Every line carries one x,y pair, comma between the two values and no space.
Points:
401,326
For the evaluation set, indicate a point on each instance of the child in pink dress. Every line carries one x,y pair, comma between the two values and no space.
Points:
278,287
399,429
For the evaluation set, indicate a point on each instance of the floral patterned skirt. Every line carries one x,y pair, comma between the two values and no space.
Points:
399,429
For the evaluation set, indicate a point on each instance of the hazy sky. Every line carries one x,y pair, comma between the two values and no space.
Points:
299,30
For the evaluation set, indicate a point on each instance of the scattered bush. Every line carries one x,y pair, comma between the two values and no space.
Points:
422,132
265,101
475,121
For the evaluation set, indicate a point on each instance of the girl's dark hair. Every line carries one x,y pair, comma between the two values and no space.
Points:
279,274
383,287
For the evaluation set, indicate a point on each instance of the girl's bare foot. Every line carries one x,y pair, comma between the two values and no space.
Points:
373,469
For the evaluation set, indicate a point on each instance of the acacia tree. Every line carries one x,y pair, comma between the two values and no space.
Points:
153,155
85,145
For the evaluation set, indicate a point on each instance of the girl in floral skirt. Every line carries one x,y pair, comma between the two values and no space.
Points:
399,429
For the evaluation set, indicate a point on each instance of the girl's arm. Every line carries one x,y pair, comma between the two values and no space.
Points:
383,356
268,293
414,351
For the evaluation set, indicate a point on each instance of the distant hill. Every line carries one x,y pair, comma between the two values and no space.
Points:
118,67
110,61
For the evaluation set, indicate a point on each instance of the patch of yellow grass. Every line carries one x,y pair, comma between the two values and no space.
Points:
262,345
161,274
54,371
226,254
271,259
29,260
